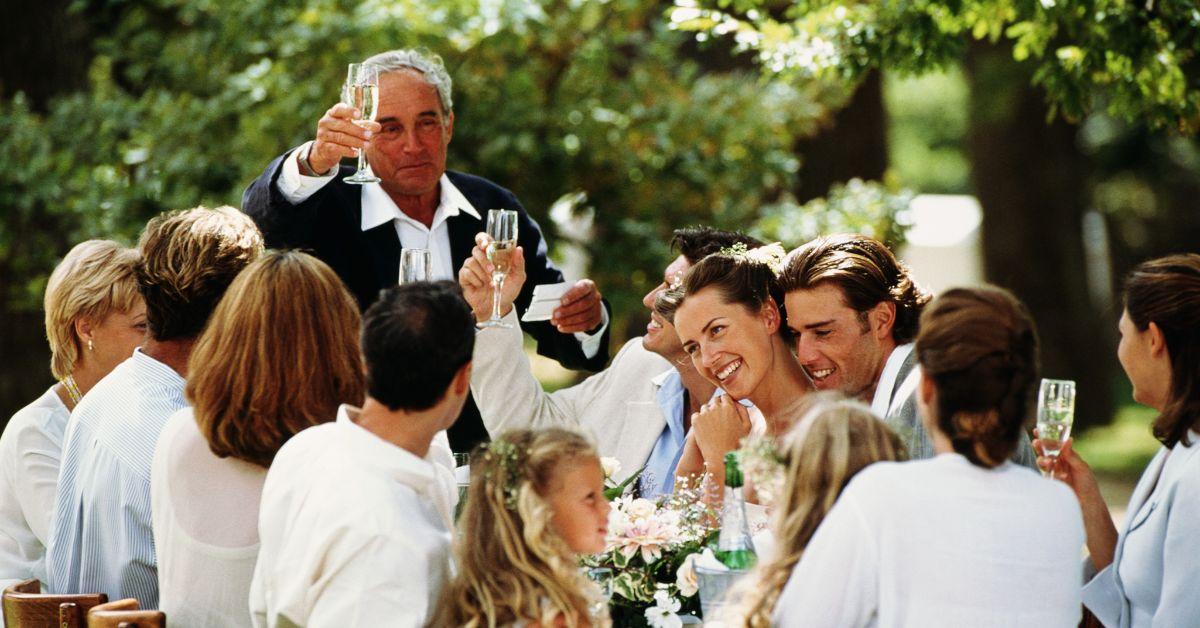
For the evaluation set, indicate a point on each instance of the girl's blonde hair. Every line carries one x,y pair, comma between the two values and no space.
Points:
835,439
95,279
511,564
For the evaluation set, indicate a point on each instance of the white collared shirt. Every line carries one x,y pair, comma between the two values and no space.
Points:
882,402
354,531
378,208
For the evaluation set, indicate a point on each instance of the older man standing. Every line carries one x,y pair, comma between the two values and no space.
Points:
301,201
853,309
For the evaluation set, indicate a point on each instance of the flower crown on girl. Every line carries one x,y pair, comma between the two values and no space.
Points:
770,255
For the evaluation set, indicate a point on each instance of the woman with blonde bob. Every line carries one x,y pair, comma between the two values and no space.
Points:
833,440
95,318
536,503
279,354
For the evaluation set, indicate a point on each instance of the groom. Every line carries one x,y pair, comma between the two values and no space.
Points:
854,309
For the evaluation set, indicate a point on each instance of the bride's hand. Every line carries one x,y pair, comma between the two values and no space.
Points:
720,426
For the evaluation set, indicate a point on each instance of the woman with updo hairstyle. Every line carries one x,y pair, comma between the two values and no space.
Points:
1147,575
535,505
966,538
729,321
95,318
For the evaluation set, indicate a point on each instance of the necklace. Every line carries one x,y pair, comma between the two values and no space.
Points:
68,382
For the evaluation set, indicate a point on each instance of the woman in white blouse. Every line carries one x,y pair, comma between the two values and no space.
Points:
279,354
1149,574
95,318
966,538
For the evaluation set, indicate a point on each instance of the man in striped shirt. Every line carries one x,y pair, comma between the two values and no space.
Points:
101,539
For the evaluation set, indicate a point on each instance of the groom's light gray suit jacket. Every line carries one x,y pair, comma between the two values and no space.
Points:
616,407
905,420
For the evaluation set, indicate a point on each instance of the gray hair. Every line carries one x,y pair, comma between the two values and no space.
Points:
428,64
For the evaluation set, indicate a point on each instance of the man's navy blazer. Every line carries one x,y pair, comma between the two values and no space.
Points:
329,225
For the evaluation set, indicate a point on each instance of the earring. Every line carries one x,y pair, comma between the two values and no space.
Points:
91,347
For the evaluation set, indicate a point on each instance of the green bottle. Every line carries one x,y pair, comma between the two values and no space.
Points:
735,548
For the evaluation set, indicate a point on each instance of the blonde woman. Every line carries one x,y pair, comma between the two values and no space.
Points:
536,503
279,354
95,318
835,439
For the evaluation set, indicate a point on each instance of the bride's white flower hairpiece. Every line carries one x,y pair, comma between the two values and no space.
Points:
771,255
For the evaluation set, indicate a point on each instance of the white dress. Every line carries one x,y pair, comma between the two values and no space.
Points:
941,542
205,516
30,451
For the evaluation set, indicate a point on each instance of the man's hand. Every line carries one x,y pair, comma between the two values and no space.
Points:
475,277
580,309
338,136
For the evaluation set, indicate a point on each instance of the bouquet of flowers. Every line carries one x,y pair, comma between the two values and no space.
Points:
651,548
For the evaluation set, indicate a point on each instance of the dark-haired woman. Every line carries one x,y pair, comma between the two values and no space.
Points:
1149,575
966,538
729,321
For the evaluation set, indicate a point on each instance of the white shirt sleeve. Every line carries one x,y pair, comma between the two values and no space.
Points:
835,582
590,343
1178,603
38,464
295,187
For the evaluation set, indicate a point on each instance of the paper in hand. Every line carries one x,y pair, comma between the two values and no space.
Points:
546,299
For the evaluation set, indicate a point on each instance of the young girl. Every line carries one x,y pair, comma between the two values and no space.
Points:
535,504
835,439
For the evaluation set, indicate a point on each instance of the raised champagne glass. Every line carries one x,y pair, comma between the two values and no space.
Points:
502,242
415,265
361,91
1055,414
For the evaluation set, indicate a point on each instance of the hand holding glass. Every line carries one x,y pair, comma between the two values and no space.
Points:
415,265
361,91
502,241
1055,414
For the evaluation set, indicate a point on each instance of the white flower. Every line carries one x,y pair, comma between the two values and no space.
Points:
640,509
685,577
663,613
611,467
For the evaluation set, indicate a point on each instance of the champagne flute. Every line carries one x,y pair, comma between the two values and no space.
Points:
415,265
1055,414
603,577
462,475
502,241
362,92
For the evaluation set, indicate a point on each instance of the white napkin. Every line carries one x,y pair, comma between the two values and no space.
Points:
546,298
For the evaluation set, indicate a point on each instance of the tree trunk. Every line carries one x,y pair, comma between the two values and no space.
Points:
853,145
1032,182
44,51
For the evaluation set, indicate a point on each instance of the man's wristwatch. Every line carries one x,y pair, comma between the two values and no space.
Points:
306,168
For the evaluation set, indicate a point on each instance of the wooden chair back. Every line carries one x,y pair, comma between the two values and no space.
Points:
25,606
124,614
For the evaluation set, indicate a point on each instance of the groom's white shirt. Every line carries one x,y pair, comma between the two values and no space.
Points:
617,407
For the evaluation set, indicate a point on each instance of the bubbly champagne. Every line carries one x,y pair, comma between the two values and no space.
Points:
1053,431
499,253
365,98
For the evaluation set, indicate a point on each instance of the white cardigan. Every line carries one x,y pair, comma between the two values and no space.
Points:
1154,579
616,407
941,542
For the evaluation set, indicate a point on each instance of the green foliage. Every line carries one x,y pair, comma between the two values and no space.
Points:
1137,60
927,125
598,101
865,207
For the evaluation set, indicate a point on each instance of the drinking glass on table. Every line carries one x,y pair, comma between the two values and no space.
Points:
415,265
361,91
502,241
602,576
1055,414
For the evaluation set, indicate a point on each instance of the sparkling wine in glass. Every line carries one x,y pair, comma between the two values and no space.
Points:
361,91
502,242
1055,414
415,265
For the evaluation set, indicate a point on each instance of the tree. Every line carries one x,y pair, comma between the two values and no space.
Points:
1044,65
